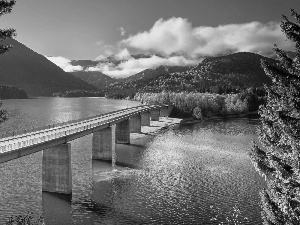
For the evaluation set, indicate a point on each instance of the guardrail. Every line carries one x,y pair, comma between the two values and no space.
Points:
51,132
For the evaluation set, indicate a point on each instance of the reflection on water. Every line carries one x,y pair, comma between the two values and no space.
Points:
181,177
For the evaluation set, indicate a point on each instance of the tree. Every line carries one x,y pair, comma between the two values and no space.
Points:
279,158
5,7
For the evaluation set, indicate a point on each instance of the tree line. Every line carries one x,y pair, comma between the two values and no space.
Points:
7,92
79,93
201,105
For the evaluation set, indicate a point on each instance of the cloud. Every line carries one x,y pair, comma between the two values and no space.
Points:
181,44
108,49
123,54
178,36
122,30
64,63
133,66
98,58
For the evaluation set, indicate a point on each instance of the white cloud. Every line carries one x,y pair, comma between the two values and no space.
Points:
182,44
177,36
64,63
98,58
122,31
123,54
133,66
108,50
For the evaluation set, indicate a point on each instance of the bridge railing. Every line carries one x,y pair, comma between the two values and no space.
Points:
35,129
47,133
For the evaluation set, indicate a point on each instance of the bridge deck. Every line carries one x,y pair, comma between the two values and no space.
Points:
28,143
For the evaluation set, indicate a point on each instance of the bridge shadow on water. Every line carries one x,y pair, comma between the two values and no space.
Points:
101,205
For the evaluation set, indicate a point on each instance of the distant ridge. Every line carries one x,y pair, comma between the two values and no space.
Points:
34,73
242,68
222,74
95,78
153,73
112,59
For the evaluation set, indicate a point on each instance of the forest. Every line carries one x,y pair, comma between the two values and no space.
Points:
204,105
79,93
8,92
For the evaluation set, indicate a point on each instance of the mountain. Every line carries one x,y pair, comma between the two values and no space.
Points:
84,63
239,69
34,73
153,73
222,74
138,82
95,78
103,81
112,60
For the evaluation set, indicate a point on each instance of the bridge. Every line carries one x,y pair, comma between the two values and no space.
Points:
107,129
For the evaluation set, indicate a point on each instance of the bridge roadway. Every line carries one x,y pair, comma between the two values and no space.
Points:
24,144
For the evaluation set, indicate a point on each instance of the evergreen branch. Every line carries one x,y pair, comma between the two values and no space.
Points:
278,75
286,62
296,15
7,33
6,6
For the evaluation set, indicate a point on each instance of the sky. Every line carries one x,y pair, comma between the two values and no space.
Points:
179,31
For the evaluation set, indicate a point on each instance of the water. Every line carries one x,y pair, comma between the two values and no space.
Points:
197,174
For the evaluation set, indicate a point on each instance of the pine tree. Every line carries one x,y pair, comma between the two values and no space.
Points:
279,158
5,7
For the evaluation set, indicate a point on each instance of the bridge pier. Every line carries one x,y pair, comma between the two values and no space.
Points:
135,124
154,114
164,111
170,108
145,119
104,143
57,174
123,132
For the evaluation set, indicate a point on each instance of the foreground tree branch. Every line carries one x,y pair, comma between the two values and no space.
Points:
279,158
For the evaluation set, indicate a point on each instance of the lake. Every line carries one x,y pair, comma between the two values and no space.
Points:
195,174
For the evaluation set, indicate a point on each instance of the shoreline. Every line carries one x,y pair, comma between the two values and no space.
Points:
194,120
156,128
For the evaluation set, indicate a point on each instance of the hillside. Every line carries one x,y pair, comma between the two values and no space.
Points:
34,73
140,81
95,78
153,73
239,69
8,92
222,74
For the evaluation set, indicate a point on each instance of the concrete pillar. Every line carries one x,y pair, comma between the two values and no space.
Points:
164,111
104,142
155,115
135,124
57,174
145,119
123,132
170,108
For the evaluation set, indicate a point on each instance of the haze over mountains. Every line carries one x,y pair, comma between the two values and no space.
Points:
32,72
223,74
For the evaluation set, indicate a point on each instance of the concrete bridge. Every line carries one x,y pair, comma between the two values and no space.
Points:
107,129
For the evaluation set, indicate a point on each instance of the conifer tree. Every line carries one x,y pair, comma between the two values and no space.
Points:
5,7
279,134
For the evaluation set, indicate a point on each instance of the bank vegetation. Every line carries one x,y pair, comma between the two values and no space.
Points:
203,105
